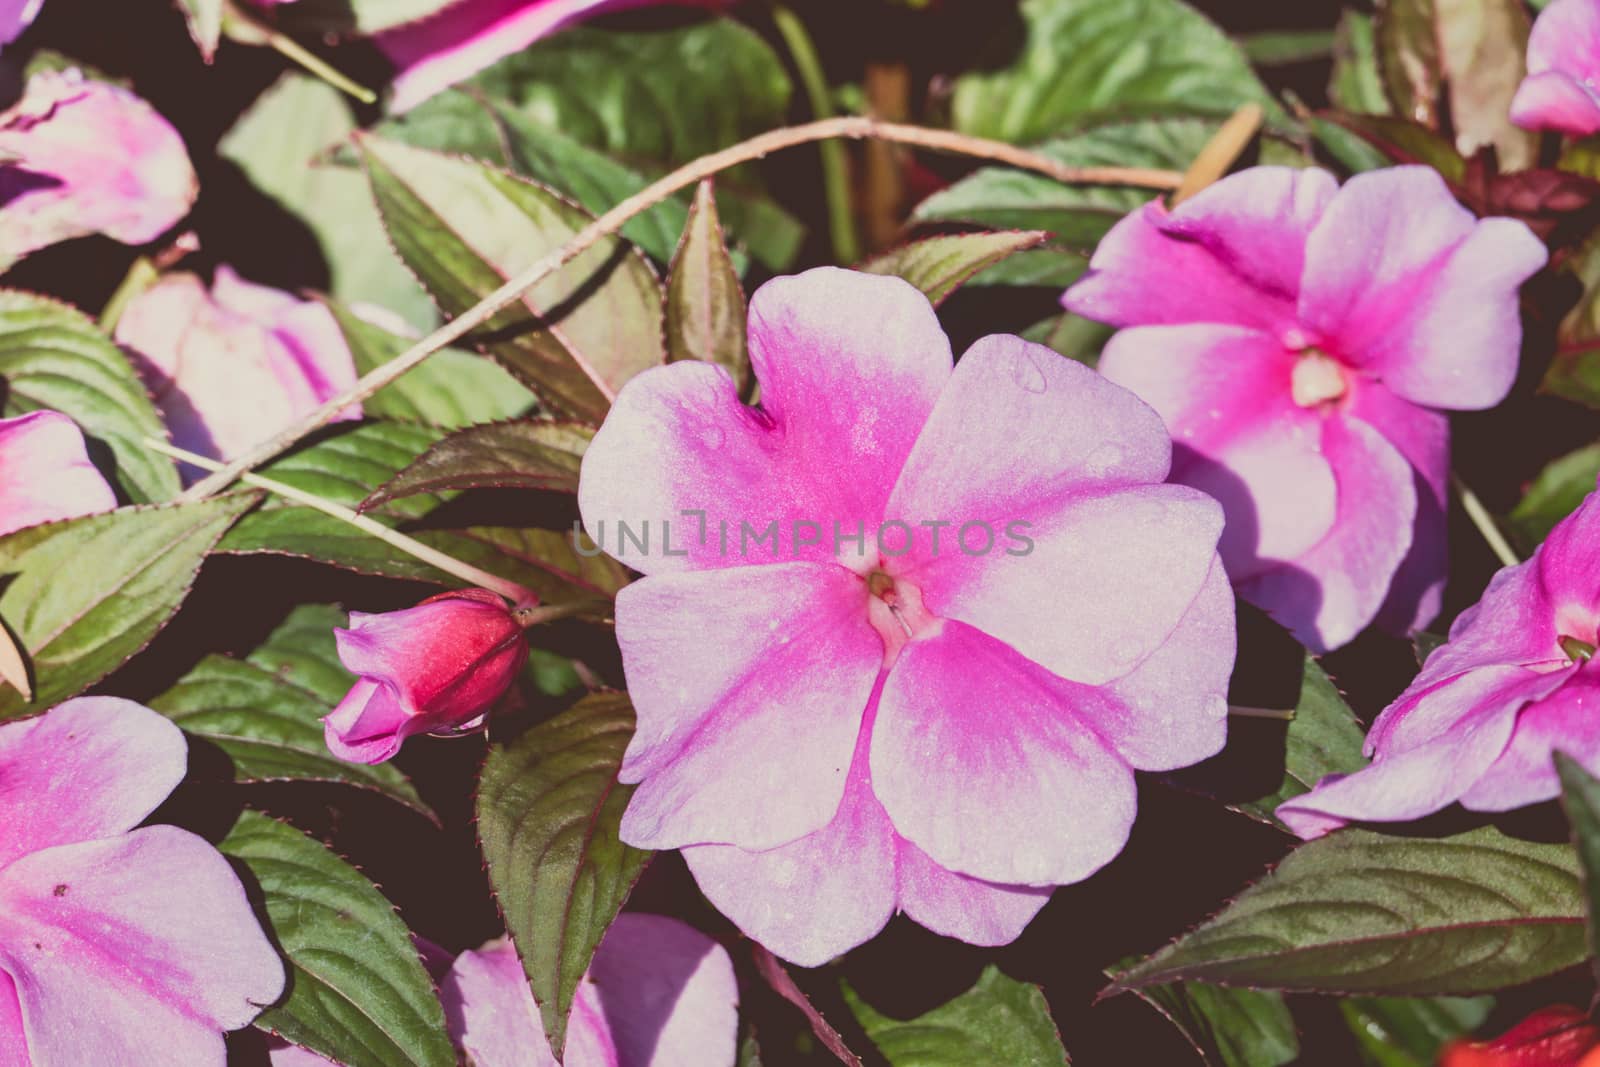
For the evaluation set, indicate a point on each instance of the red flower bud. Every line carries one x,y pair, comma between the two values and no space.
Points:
1558,1036
436,666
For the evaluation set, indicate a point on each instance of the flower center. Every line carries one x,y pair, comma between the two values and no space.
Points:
895,610
1577,650
1317,379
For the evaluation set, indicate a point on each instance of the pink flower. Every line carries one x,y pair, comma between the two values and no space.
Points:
1478,725
975,605
231,367
437,666
1562,89
45,473
465,37
16,16
658,993
117,945
1299,339
86,157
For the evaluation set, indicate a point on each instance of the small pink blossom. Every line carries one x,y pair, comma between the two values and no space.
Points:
1299,340
45,473
1478,726
835,730
231,367
436,666
658,993
465,37
117,945
84,157
1562,89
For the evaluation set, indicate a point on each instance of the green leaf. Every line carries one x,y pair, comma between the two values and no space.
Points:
356,17
941,265
1410,1031
1360,912
451,389
1274,48
465,229
705,302
548,810
1229,1027
83,596
1086,58
357,990
997,1021
1580,797
282,143
1072,335
1323,738
1467,53
1400,140
53,356
1356,84
1554,494
265,711
544,561
204,19
523,454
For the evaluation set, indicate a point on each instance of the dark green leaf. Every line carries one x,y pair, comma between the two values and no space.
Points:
941,265
522,454
1554,494
1323,738
357,990
1409,1031
53,356
265,711
545,561
84,595
1359,912
1229,1027
1084,58
1356,84
466,228
997,1021
1403,141
1580,797
705,302
1072,335
548,810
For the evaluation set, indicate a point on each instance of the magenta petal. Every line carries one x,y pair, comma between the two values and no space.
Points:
91,767
974,746
749,702
1563,62
1568,570
1402,281
369,725
1525,773
94,159
968,909
45,473
145,941
16,16
1141,276
1556,101
13,1041
491,1013
1330,593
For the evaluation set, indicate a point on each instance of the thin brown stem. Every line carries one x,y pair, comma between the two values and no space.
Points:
852,126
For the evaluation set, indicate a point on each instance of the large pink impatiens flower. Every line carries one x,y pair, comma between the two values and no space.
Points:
658,993
1515,682
1562,89
905,631
117,945
45,473
1299,340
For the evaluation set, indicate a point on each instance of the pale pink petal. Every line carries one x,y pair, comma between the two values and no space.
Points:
369,725
144,941
490,1010
45,473
849,365
1331,592
282,1054
750,685
1225,395
306,328
93,158
1256,223
1402,281
1141,276
968,909
91,767
1525,773
16,16
13,1042
1566,37
666,994
973,742
1556,101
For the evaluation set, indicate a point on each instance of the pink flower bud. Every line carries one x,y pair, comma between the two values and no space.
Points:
436,666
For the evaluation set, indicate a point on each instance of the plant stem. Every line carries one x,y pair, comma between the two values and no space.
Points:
1219,154
852,126
1278,714
433,557
245,26
835,165
1485,523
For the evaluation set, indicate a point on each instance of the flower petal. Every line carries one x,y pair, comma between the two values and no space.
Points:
1403,281
1556,101
1525,773
750,686
1566,37
13,1042
1568,569
490,1011
140,942
369,725
45,473
16,16
974,746
1329,593
89,768
1225,395
967,909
